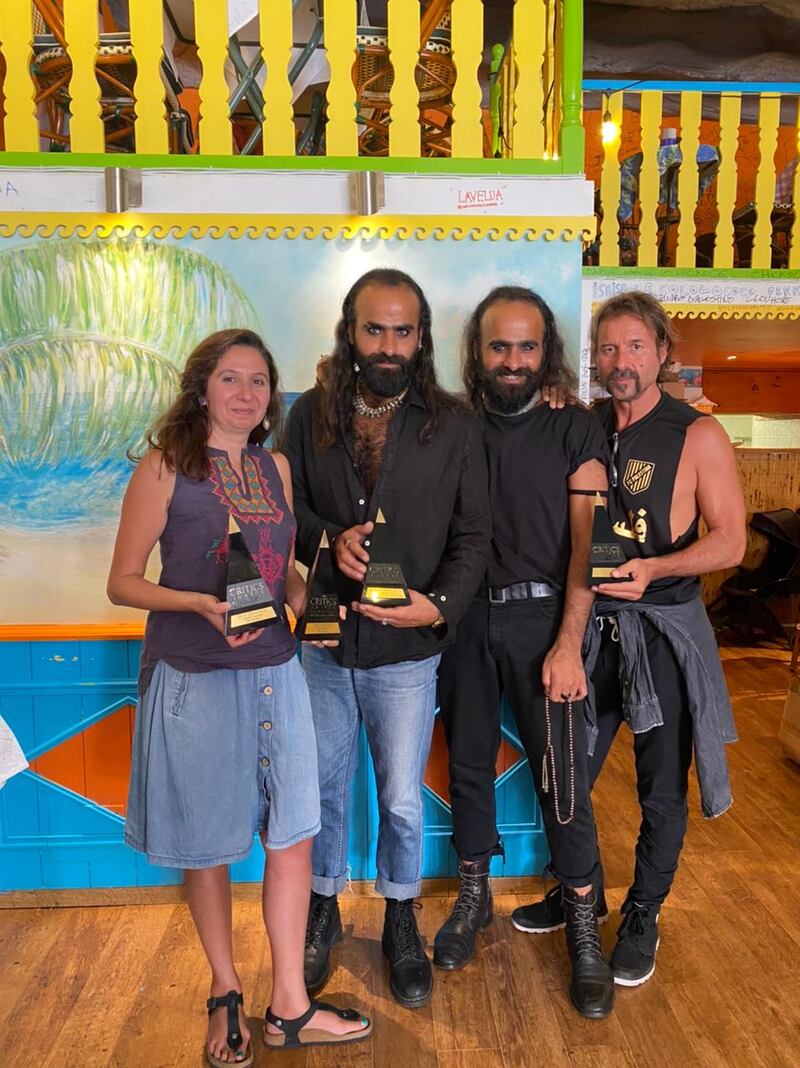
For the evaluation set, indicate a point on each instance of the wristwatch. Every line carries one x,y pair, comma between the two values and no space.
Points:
440,620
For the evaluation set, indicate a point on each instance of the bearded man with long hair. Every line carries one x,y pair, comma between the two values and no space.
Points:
378,433
521,635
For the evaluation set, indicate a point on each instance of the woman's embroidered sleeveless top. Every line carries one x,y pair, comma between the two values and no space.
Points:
194,556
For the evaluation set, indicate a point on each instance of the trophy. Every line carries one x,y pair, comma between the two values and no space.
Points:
384,582
606,552
251,603
320,620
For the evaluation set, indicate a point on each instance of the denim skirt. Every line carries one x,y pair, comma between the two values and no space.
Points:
217,756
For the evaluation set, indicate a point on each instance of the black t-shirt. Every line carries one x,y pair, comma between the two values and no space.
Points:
530,457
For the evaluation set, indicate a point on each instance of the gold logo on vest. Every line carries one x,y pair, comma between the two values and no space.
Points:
638,475
637,530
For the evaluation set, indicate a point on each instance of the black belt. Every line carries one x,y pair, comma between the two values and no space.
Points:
520,591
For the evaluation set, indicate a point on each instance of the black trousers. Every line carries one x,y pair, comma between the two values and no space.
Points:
499,651
663,757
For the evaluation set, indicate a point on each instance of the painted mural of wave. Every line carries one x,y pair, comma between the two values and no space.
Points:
92,338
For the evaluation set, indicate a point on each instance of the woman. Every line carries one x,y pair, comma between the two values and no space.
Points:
224,740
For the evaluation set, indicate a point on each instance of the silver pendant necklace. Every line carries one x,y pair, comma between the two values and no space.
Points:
362,408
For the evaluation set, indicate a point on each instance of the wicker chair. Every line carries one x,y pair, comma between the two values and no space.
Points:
435,77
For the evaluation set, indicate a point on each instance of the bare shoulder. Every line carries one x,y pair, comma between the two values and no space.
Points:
707,440
281,463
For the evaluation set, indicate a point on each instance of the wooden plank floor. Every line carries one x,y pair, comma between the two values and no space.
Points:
125,986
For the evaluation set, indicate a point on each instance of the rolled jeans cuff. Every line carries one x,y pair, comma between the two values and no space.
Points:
398,891
594,877
326,887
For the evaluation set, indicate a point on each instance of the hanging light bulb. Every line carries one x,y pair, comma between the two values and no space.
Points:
609,131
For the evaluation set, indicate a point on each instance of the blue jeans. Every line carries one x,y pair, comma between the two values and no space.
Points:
396,703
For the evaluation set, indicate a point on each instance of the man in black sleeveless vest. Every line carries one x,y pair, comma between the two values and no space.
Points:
650,652
521,635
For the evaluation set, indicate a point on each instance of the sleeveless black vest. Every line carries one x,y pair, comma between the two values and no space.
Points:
644,465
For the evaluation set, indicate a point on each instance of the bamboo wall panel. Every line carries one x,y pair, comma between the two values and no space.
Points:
81,32
151,128
770,479
467,38
404,133
275,31
16,31
211,30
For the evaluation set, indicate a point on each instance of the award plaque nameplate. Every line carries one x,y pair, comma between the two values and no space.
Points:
249,597
320,620
384,582
606,552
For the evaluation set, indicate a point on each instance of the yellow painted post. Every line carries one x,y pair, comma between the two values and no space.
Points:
730,109
81,32
467,36
794,252
650,118
530,46
551,77
16,32
211,33
610,190
404,131
691,113
275,31
341,133
152,134
769,117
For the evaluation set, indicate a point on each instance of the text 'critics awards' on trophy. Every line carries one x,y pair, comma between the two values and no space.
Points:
606,552
251,602
320,620
384,582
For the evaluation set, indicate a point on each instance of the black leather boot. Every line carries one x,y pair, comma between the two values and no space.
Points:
592,984
454,945
323,931
410,974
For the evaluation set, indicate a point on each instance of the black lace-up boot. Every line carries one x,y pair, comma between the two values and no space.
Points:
592,985
410,974
634,958
542,917
323,931
454,945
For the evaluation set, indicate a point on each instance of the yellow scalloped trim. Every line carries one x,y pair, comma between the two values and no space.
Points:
329,227
734,311
727,311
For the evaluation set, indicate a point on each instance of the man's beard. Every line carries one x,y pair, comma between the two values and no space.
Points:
385,381
509,399
630,376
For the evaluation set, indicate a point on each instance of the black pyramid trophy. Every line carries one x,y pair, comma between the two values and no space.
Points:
606,552
384,582
320,620
249,597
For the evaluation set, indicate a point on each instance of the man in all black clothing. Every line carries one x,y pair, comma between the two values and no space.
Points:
521,635
651,652
378,432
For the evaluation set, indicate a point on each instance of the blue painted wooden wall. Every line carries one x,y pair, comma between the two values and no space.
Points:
51,837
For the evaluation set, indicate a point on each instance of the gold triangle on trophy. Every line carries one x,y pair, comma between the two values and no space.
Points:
233,526
380,517
323,541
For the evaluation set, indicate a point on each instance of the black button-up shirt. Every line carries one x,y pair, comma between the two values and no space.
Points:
435,499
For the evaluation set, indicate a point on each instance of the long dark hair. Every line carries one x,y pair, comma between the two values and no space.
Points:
555,370
334,396
181,434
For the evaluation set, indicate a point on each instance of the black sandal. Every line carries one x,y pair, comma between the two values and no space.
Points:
291,1038
230,1001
